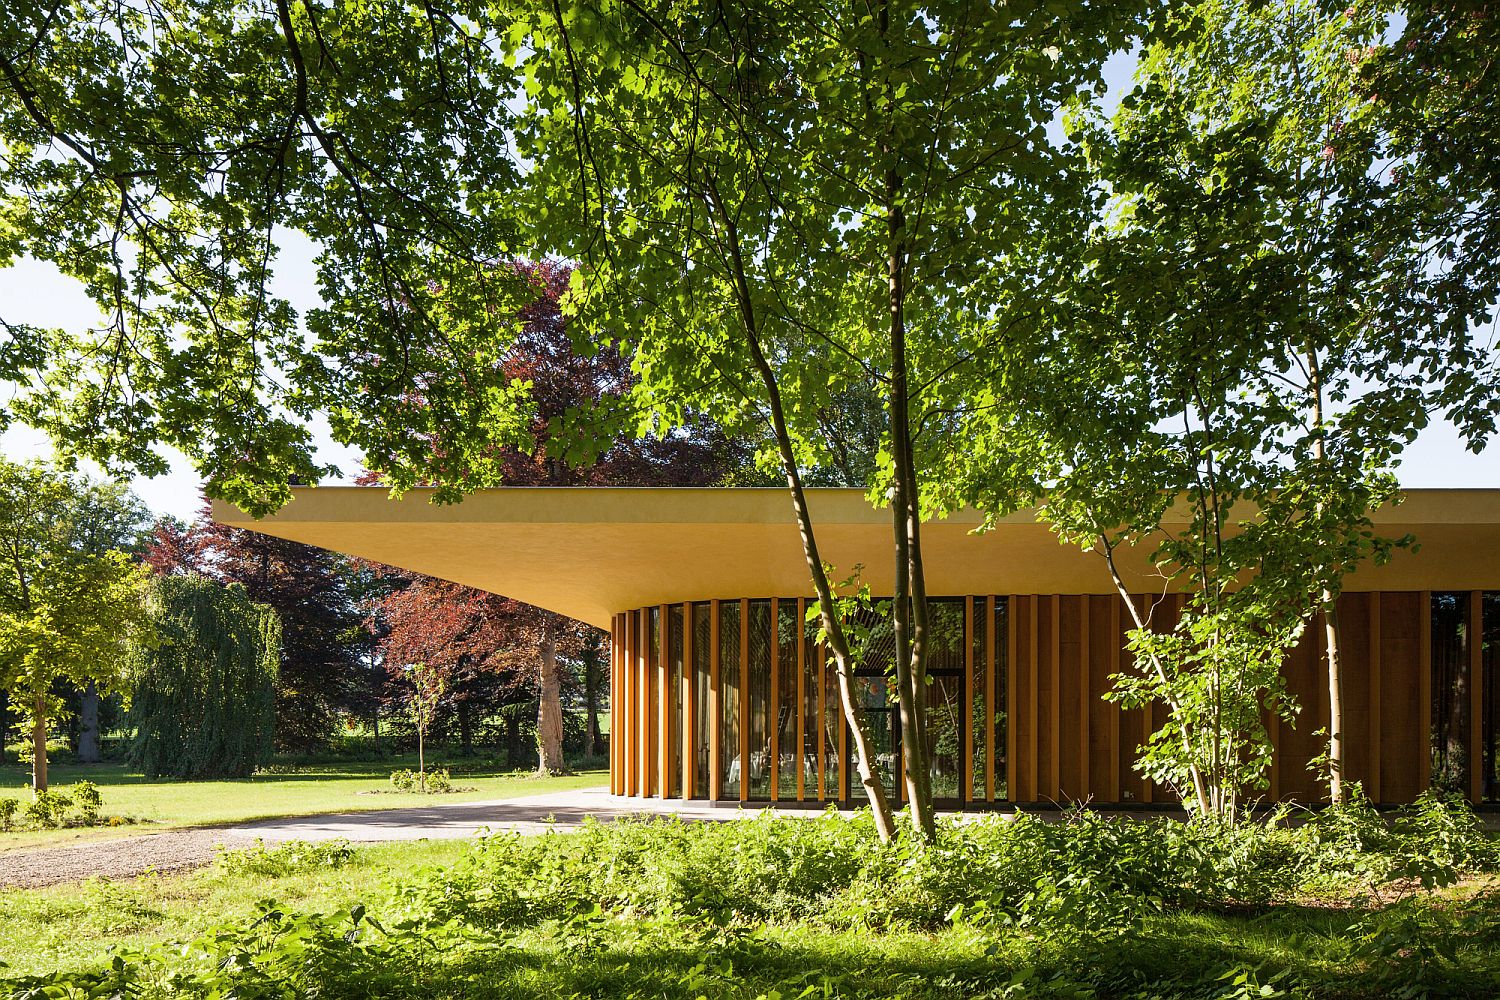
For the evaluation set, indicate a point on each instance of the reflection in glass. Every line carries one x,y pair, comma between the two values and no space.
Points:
876,695
943,697
674,644
997,711
1489,732
1450,693
701,656
729,699
832,729
811,721
759,777
653,716
980,751
786,696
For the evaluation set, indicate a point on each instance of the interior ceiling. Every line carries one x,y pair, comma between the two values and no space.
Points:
591,552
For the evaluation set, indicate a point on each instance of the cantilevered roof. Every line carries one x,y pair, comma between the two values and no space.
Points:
591,552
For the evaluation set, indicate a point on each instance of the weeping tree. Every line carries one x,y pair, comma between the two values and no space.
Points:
205,691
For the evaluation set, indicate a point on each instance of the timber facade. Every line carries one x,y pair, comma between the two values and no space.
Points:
730,701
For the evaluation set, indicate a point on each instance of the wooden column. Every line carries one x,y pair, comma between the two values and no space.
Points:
1085,703
1373,693
1475,636
631,707
1054,749
801,639
966,783
1033,707
1114,706
648,699
614,704
744,699
689,705
715,705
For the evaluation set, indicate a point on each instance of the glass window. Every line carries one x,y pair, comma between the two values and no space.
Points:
944,697
787,753
998,636
811,716
1450,693
1490,722
652,784
679,695
760,764
701,659
729,699
832,730
978,702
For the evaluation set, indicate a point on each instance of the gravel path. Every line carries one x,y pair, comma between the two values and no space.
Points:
126,857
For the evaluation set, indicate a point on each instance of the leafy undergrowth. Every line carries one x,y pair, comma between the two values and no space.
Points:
786,907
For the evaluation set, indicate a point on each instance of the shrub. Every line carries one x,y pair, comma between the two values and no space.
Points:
86,801
48,808
407,780
285,858
8,810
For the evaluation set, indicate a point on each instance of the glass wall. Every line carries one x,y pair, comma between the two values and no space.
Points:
776,716
679,694
729,699
999,723
788,754
758,780
1450,692
1489,789
702,653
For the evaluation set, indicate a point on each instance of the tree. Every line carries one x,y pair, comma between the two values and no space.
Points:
323,640
66,612
772,204
204,687
428,684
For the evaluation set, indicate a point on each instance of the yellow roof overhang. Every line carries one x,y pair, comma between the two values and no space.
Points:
591,552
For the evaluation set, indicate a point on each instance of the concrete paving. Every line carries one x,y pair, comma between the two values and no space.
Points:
448,821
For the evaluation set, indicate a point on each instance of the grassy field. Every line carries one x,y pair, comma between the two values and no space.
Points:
1266,951
303,790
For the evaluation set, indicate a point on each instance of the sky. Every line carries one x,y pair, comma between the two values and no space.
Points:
36,293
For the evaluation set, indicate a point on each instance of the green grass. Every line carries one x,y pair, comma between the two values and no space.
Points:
305,790
1305,950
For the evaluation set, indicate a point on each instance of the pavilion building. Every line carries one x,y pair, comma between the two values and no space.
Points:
719,693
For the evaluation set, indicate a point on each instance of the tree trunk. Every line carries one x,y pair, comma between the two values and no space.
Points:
465,729
1335,700
421,759
88,724
39,744
833,629
910,641
549,720
591,680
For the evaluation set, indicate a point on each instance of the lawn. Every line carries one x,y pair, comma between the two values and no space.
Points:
759,909
288,791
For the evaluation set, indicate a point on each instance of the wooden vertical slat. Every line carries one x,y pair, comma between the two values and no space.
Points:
744,747
1084,701
773,706
1147,712
1475,636
715,706
632,705
614,704
648,702
966,783
989,698
1424,689
1054,736
689,705
1114,706
665,704
1373,733
801,699
1033,671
